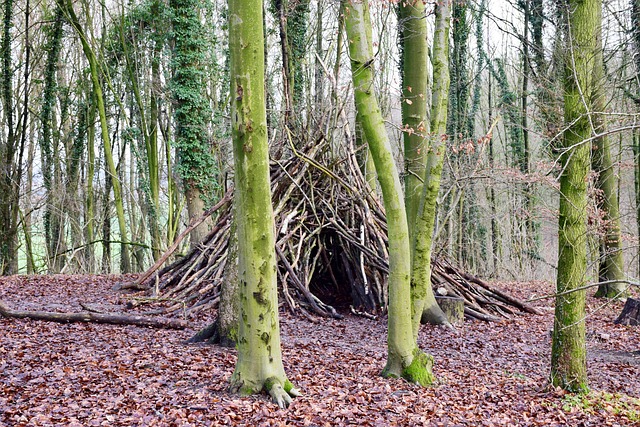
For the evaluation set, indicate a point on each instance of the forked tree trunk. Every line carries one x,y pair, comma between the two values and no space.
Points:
416,99
404,359
568,353
259,366
427,211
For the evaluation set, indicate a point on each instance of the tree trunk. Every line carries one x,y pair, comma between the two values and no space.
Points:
529,188
568,353
318,73
635,19
224,330
280,7
195,208
104,127
495,231
196,165
8,149
636,174
229,306
297,24
426,215
611,266
415,68
259,366
90,198
404,359
630,314
152,149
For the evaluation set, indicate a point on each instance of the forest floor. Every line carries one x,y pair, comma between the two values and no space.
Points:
490,374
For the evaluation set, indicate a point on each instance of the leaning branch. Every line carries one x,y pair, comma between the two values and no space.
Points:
196,222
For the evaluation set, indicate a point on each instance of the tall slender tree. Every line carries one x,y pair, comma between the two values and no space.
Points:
94,69
568,353
54,46
8,153
427,210
531,239
635,19
259,365
404,358
611,268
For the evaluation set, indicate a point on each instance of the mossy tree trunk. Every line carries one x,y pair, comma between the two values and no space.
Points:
568,353
415,69
611,266
404,359
224,329
227,322
90,198
259,365
423,157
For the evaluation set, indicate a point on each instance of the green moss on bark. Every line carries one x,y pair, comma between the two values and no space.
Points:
288,386
419,371
568,353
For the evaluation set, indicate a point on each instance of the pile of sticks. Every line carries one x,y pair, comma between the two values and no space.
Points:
331,245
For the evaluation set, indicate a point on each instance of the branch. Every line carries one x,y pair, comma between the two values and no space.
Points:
86,317
196,222
111,242
582,288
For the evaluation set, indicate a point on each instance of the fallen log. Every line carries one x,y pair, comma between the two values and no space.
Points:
92,317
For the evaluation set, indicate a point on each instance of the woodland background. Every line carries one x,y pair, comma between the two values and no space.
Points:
72,203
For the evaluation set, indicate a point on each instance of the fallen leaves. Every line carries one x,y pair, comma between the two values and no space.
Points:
489,374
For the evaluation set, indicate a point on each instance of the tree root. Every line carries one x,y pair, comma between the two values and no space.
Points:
282,393
282,396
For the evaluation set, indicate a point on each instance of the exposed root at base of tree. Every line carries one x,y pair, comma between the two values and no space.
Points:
331,245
